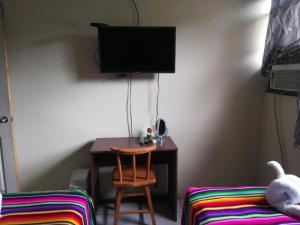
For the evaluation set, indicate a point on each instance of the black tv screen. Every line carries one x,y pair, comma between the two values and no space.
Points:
137,49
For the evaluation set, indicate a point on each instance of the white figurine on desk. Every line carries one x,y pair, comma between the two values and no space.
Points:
146,138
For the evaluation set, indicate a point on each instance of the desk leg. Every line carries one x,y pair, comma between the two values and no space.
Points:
94,179
172,185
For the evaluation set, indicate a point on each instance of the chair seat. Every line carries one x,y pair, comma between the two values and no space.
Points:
128,177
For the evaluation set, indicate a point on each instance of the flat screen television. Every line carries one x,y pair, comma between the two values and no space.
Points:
137,49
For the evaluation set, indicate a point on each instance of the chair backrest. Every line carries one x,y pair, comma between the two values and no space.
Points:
133,152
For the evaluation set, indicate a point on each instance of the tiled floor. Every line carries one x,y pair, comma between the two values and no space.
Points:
105,212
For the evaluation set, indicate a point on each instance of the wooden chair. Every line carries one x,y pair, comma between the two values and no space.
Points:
133,176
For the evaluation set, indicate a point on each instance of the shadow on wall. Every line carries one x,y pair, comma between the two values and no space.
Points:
83,55
86,57
59,175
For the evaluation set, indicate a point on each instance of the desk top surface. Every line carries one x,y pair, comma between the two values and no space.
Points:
102,145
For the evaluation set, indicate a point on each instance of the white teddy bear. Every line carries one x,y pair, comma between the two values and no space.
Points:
284,192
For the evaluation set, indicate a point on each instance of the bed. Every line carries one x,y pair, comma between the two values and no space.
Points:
230,206
51,207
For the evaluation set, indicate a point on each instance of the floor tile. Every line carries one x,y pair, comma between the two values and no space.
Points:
181,202
179,205
162,206
132,219
162,213
160,220
108,208
105,208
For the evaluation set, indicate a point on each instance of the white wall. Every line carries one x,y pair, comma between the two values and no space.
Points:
212,104
270,149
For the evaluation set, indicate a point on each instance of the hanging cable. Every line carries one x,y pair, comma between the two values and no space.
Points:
127,109
96,57
129,98
278,134
137,12
130,108
157,97
129,85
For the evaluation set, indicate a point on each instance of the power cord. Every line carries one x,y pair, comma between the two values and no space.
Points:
130,111
129,106
137,12
157,96
96,57
129,90
127,109
278,133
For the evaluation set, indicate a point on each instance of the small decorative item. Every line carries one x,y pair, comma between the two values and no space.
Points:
144,140
160,131
148,138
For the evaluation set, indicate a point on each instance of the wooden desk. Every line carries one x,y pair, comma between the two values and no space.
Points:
166,154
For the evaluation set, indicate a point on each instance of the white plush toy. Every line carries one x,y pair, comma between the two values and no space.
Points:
284,192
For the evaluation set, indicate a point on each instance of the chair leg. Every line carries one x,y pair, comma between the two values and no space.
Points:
117,205
150,205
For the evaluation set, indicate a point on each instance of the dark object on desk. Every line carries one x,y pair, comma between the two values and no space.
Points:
160,131
133,176
166,154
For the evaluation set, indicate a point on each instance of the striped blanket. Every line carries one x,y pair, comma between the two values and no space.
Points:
51,207
231,206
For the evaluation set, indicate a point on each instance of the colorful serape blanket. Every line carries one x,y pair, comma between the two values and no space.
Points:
231,206
52,207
